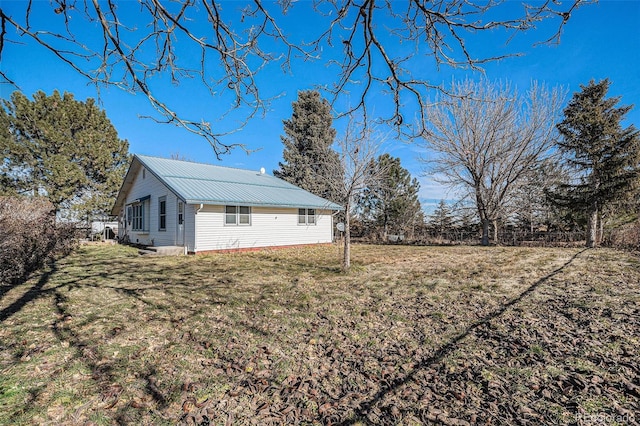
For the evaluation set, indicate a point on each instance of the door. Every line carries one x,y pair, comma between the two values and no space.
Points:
180,231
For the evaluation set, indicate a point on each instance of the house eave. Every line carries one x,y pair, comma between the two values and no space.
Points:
333,207
127,183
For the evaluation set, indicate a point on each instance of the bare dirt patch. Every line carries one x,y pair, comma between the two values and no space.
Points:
433,335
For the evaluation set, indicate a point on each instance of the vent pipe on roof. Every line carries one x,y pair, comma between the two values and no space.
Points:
262,170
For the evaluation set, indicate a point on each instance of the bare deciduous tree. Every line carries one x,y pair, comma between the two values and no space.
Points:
485,138
358,148
137,45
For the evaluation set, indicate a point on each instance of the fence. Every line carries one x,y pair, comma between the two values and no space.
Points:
627,238
541,239
508,238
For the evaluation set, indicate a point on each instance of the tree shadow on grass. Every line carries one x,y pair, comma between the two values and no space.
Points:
33,293
100,367
364,409
61,330
104,372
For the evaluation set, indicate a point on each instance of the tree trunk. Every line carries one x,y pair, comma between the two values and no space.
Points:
484,220
385,230
592,228
600,237
346,259
485,232
495,232
531,222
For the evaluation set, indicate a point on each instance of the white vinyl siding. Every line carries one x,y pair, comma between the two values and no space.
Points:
190,217
269,227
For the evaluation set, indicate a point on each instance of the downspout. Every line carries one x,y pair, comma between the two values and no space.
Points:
195,228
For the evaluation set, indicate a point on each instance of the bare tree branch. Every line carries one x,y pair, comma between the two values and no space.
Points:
386,48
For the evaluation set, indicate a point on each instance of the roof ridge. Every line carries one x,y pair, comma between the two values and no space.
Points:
195,162
289,185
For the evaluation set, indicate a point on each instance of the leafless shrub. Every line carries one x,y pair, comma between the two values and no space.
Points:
625,237
30,237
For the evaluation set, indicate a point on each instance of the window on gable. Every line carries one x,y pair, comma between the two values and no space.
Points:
306,216
237,215
162,213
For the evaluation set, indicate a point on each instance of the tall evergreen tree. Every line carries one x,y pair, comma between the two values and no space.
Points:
391,202
63,149
604,156
309,160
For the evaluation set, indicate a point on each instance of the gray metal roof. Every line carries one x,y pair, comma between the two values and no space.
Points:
198,183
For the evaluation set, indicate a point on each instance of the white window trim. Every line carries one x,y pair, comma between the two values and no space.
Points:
306,216
237,216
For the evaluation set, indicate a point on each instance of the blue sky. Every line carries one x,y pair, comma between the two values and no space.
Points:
600,41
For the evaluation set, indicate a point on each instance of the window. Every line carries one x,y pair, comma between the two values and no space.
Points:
138,217
162,213
138,214
306,216
244,215
237,215
230,215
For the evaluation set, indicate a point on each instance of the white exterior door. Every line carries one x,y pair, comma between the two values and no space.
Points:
180,222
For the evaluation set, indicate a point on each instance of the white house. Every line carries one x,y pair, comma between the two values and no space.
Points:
202,208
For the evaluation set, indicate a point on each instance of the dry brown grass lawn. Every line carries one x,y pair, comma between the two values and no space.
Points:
442,335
